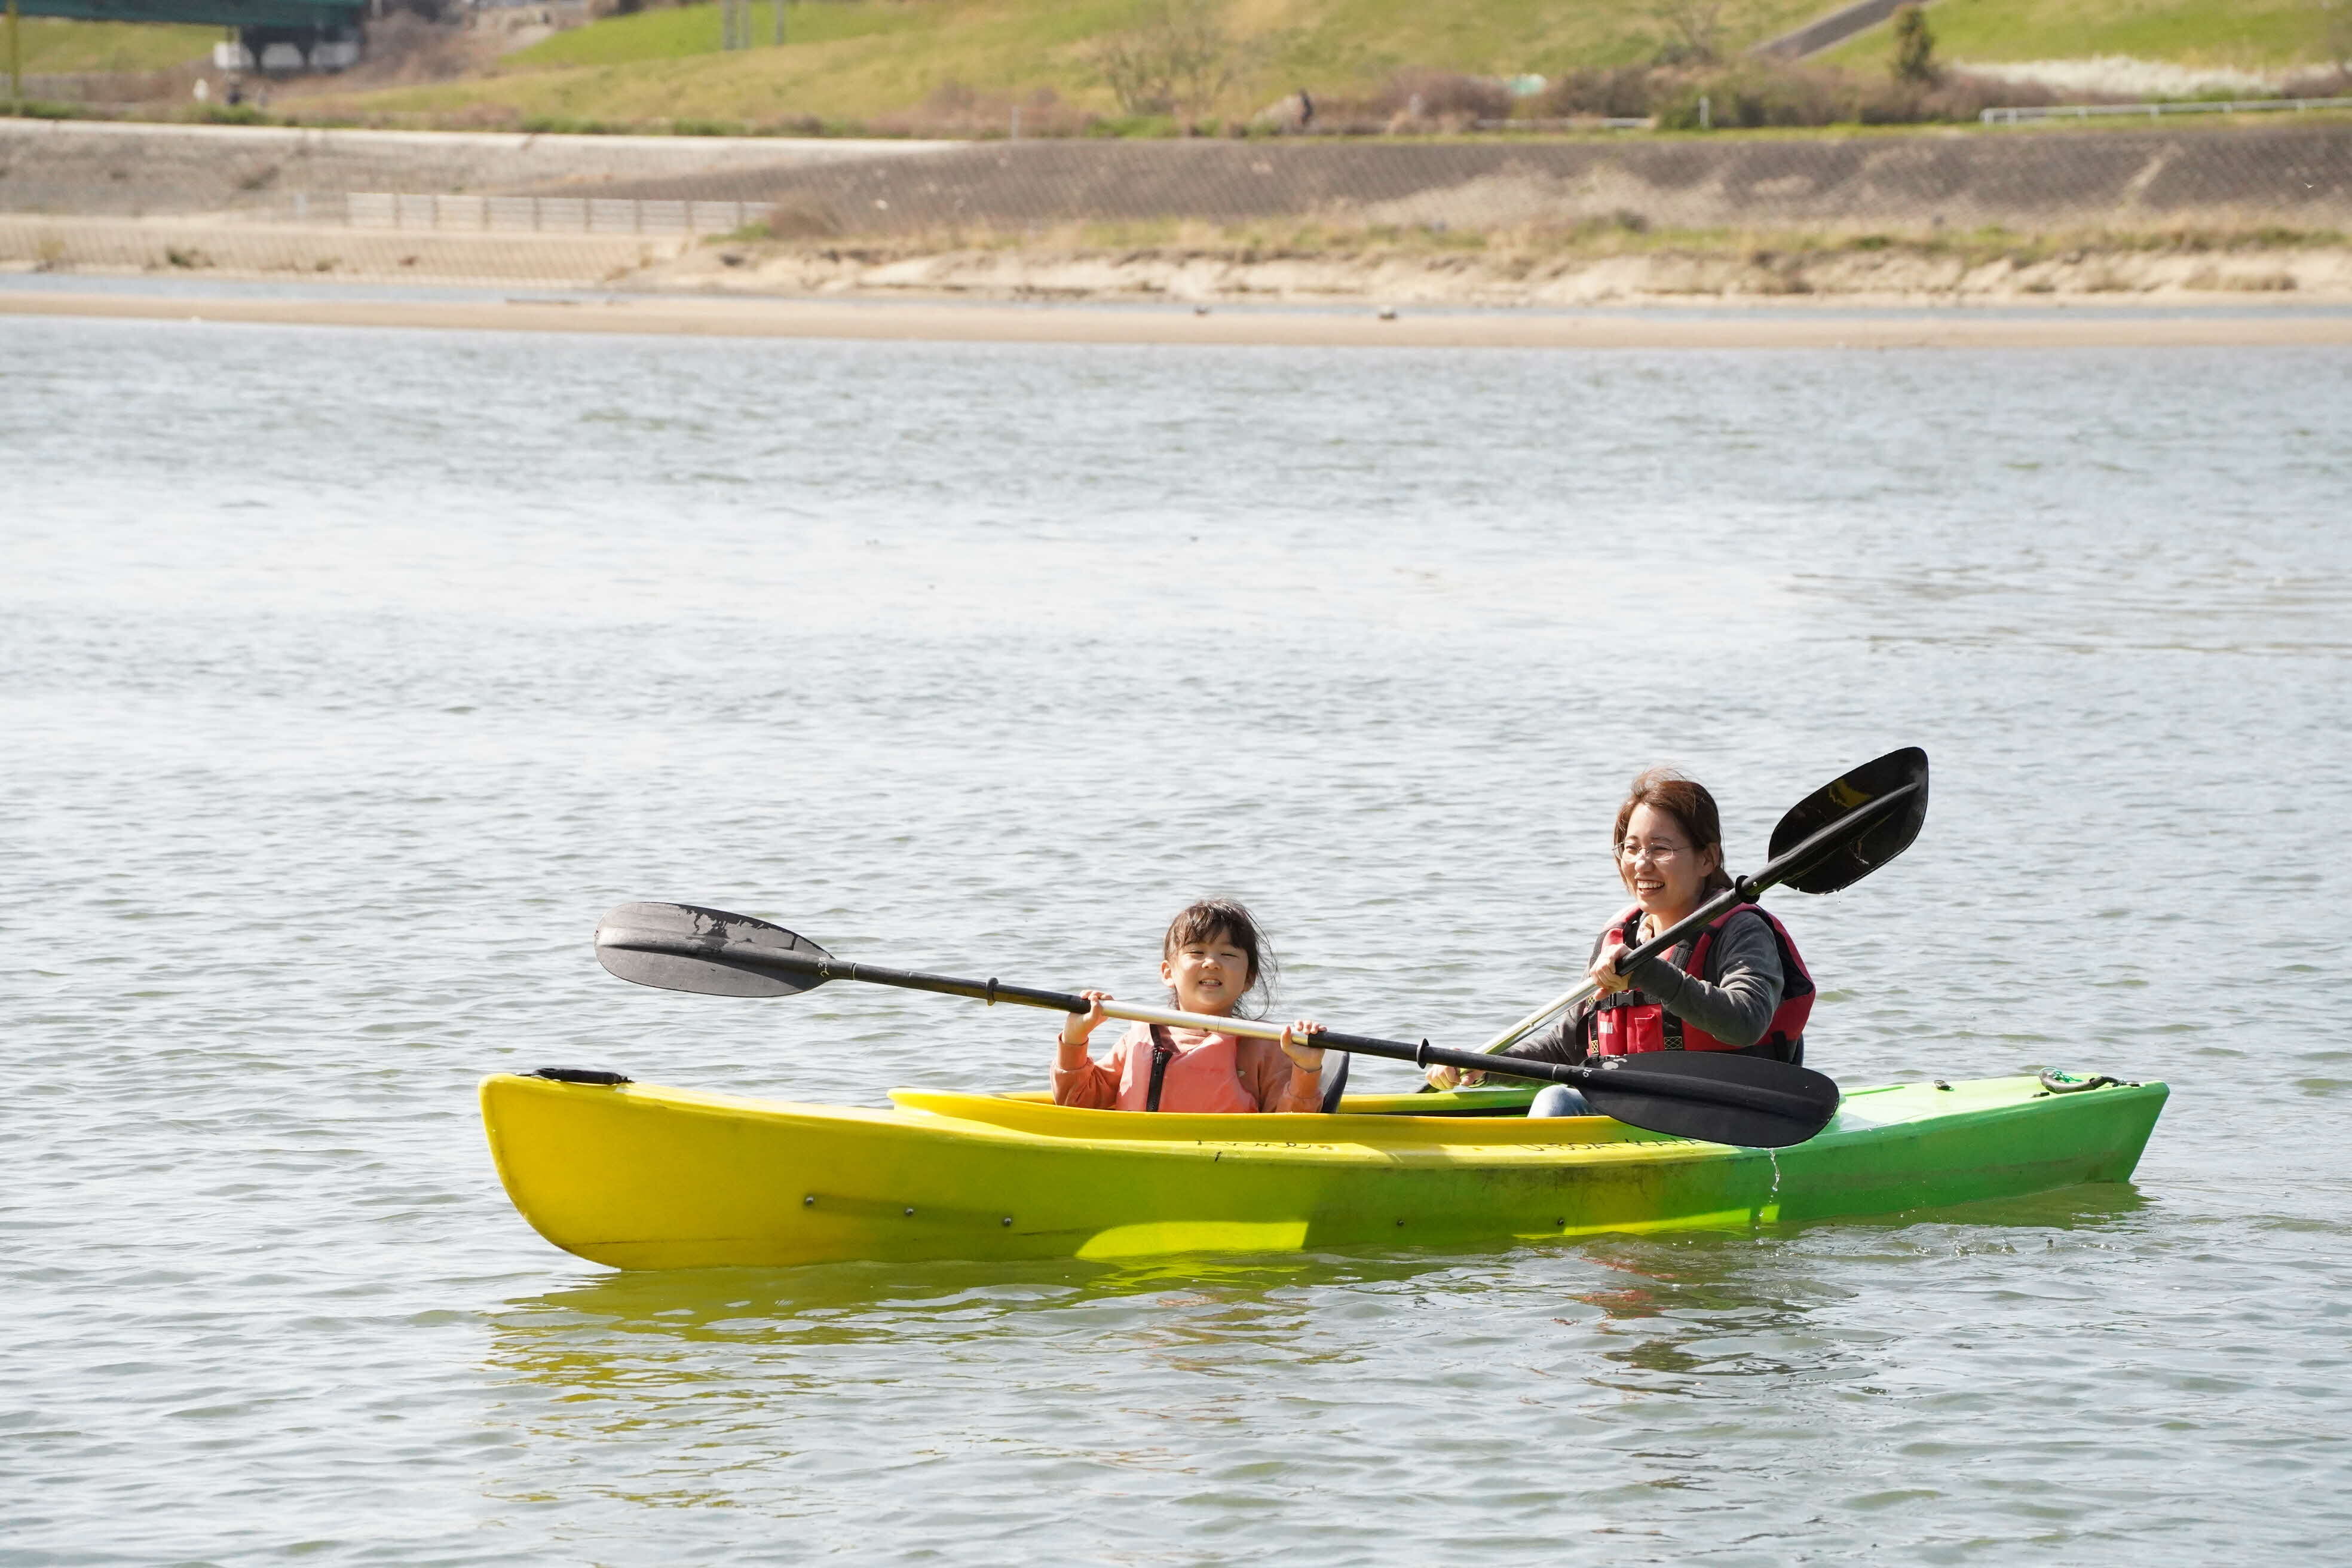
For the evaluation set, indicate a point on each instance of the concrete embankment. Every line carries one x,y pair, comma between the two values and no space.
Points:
2170,215
2293,175
131,169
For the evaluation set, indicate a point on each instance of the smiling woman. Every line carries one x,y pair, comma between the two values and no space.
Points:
1738,985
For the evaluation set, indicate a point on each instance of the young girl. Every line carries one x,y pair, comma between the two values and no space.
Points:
1212,958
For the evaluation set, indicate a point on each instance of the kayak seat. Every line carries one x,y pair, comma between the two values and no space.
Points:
1332,1089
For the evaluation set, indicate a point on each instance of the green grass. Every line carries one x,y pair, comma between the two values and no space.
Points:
56,48
694,30
861,59
848,63
2249,34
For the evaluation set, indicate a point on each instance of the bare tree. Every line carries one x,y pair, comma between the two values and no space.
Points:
1694,31
1176,59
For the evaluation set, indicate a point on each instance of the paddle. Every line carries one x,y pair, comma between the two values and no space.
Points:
1718,1098
1830,839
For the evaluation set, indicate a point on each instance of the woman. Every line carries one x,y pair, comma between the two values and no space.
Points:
1738,985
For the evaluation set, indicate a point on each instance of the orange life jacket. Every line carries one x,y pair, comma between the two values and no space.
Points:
1205,1078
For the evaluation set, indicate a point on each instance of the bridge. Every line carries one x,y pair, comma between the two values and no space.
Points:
272,35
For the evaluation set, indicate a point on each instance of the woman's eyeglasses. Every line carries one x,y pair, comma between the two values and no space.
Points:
1657,854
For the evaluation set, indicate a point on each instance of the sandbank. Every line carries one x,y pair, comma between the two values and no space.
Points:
1782,326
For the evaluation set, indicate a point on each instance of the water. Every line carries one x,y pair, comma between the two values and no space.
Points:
350,676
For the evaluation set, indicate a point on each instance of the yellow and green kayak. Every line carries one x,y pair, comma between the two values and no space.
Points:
637,1176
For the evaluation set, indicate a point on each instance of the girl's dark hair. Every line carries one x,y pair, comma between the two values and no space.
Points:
1209,918
1687,802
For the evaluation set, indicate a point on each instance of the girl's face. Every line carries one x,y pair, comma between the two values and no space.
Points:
1664,870
1209,975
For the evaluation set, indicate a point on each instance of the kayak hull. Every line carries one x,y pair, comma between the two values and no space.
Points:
637,1176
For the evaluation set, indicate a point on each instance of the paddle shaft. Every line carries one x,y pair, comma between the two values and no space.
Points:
1746,890
1746,1097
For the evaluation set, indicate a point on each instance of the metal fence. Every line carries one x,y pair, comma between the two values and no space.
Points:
523,214
2158,110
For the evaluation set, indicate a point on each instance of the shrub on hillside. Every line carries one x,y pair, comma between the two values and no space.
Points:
1956,95
1764,94
954,108
407,46
1754,95
1627,92
1175,59
1693,31
1915,47
1442,97
2323,81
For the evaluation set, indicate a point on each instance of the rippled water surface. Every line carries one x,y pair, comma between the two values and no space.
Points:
350,676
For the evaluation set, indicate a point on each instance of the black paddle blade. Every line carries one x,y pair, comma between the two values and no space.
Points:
724,956
1749,1100
1879,841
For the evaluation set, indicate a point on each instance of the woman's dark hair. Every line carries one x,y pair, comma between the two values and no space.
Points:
1209,918
1686,801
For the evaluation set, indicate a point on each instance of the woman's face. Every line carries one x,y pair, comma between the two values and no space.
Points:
1664,870
1209,975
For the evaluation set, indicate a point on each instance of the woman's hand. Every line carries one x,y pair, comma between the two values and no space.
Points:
1304,1056
1448,1077
1604,974
1078,1028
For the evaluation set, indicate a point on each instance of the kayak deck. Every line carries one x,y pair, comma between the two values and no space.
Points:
638,1176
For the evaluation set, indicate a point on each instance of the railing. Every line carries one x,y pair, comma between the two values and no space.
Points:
526,215
1574,122
2152,110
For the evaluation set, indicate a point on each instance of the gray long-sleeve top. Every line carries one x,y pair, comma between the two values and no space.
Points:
1733,998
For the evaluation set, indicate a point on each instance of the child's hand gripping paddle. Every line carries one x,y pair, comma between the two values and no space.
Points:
1707,1095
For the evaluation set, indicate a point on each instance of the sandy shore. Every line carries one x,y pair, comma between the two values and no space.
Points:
1794,326
754,283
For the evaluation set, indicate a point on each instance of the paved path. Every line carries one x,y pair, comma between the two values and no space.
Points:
1836,27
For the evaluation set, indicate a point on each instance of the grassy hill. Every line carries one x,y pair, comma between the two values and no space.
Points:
862,59
59,47
918,64
2266,35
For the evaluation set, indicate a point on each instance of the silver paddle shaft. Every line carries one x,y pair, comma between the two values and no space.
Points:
1136,1013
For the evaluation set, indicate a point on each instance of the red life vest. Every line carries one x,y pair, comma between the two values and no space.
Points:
1629,1023
1155,1073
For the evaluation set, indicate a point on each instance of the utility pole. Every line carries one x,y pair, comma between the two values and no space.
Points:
779,22
17,64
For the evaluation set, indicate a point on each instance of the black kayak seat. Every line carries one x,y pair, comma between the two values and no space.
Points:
1333,1090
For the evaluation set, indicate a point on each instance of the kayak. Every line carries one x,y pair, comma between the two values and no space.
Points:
637,1176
